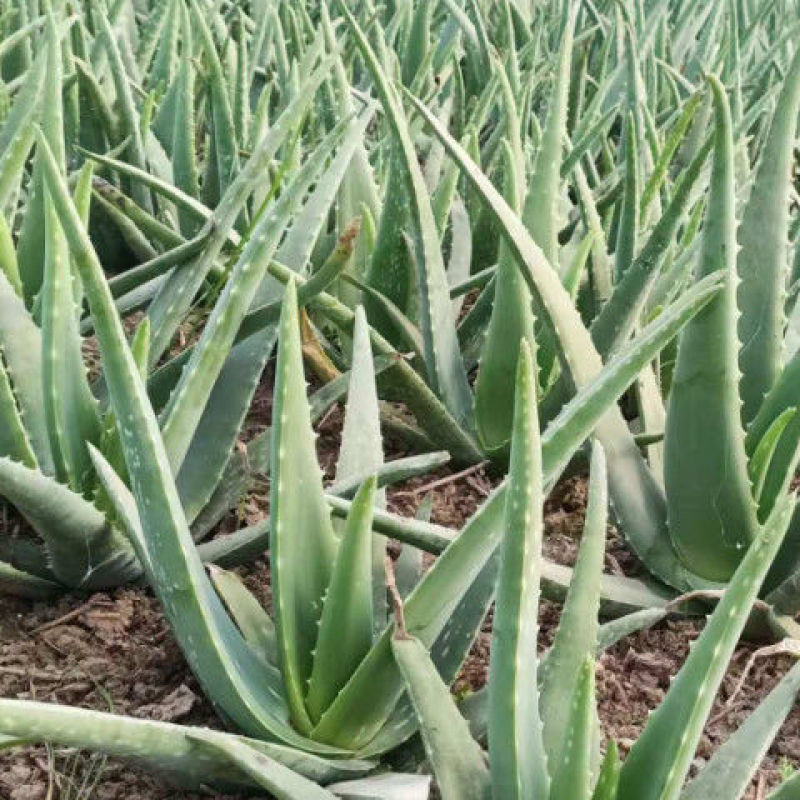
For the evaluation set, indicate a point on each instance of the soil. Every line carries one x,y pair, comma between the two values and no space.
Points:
115,652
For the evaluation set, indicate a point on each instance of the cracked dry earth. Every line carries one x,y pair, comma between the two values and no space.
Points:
115,652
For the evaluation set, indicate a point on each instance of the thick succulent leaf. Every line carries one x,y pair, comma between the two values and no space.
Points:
762,263
517,759
788,790
730,769
659,760
401,382
176,296
296,249
302,541
346,624
712,517
221,422
541,212
17,583
572,769
165,747
70,410
361,450
466,558
384,786
759,464
511,321
225,152
457,760
606,787
267,773
576,637
128,113
14,441
253,621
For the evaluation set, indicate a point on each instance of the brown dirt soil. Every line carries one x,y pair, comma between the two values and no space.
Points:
115,652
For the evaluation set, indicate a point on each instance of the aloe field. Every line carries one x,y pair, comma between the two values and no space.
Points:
399,399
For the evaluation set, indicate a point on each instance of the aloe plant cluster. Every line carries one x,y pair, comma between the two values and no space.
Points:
190,185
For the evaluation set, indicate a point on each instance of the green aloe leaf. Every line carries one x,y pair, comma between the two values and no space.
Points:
517,759
572,771
302,541
730,769
345,628
576,637
712,517
170,749
458,761
361,450
762,263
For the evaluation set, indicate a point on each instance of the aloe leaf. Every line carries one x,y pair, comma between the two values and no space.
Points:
659,760
759,464
762,262
345,628
442,357
398,327
576,637
16,128
225,152
14,441
572,772
301,524
252,620
730,769
401,381
220,424
129,115
296,249
280,781
511,320
540,214
20,341
788,790
162,746
606,787
470,554
629,216
457,760
231,673
70,410
17,583
517,759
617,319
8,257
384,786
712,516
361,450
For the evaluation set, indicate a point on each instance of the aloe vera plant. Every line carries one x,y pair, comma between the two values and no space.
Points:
543,735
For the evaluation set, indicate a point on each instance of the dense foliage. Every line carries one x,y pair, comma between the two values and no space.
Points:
549,236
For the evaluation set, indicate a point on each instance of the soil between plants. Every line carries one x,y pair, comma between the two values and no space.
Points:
114,651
